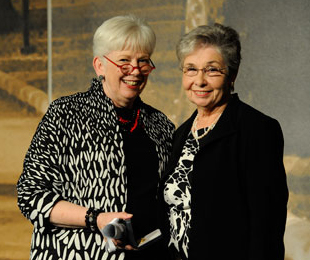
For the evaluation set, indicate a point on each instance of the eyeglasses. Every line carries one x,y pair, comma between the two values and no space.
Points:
127,69
209,70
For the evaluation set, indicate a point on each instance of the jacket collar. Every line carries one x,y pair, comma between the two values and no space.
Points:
105,117
225,126
99,97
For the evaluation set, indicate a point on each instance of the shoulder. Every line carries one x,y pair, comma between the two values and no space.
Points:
156,116
254,120
71,102
67,109
253,115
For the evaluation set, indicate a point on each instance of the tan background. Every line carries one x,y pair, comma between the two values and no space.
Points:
273,78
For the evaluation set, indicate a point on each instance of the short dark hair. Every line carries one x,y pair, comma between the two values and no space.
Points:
225,38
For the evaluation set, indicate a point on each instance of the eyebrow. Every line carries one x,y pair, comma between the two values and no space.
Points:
214,61
207,64
122,56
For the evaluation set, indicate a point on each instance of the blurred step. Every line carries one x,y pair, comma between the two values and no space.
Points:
8,189
15,231
74,23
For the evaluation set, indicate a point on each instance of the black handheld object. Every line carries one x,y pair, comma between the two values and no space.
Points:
130,235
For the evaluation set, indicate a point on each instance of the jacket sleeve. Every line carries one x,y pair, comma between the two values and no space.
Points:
267,192
39,185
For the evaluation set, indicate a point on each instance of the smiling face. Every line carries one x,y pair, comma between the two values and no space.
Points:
122,89
208,93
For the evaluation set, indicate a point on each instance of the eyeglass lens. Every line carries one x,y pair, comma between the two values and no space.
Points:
128,68
210,71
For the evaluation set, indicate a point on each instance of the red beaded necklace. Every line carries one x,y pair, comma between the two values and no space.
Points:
124,121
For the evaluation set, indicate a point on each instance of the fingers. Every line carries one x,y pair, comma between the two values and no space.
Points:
105,218
129,247
120,245
117,242
124,215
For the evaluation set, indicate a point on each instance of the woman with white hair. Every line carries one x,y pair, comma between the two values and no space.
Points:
98,155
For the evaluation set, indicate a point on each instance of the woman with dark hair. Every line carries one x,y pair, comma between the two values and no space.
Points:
225,188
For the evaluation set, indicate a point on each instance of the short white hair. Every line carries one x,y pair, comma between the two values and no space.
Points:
126,32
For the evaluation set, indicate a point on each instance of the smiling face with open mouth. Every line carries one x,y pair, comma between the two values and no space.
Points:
206,91
123,89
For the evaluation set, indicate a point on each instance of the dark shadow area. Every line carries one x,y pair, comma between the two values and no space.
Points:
11,21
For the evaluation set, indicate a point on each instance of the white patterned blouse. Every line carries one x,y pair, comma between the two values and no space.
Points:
177,194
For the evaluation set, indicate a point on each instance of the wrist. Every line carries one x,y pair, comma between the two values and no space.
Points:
91,219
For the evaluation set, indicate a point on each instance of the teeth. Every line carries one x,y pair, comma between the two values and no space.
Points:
132,83
202,92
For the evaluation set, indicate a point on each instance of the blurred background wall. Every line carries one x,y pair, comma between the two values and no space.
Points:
273,78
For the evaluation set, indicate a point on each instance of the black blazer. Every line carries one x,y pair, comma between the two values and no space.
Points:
239,190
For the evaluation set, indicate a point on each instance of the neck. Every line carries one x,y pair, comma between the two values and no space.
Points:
127,105
118,102
214,109
206,117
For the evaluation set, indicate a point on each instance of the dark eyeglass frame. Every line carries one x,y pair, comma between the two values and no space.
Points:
206,71
152,67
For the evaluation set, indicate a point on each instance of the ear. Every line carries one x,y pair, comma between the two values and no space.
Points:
231,83
233,77
98,66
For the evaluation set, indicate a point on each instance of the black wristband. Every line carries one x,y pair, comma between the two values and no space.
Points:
91,219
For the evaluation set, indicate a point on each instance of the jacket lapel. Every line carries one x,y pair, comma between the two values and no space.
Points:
224,127
226,124
180,137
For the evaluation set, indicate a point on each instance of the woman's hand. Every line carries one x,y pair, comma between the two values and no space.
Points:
67,214
105,218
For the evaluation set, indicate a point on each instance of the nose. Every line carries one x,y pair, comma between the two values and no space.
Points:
200,79
135,68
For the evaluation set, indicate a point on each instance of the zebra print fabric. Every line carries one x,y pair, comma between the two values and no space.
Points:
77,155
177,194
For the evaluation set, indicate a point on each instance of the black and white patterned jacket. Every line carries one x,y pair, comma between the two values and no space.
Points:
77,155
